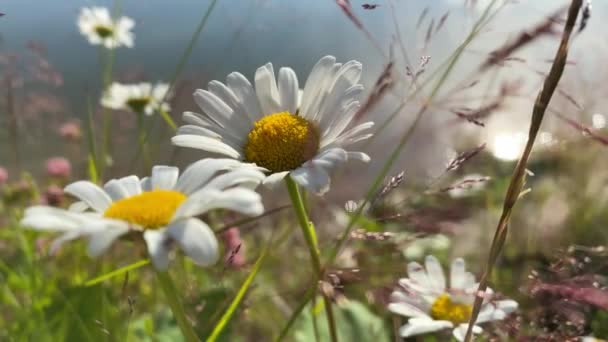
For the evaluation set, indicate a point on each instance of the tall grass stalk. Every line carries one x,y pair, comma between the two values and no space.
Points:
142,138
519,174
171,294
219,327
92,157
308,230
106,57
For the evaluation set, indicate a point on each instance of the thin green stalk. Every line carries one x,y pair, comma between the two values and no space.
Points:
106,78
93,161
168,119
168,287
117,272
142,137
519,174
219,327
311,240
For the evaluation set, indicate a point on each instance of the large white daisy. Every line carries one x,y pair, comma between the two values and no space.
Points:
275,127
161,208
139,98
432,306
99,28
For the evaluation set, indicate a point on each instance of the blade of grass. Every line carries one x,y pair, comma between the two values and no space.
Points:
117,272
93,162
219,327
518,178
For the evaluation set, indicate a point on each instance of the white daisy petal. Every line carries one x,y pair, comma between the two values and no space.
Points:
158,247
196,240
275,178
91,194
131,184
220,113
200,172
360,156
457,274
164,177
63,238
241,200
406,309
418,275
198,130
115,189
417,326
78,207
330,158
236,177
205,143
312,86
101,240
461,330
507,305
266,89
50,218
311,177
435,273
288,90
244,91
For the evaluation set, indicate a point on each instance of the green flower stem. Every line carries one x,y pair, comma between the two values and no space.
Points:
164,279
168,119
106,58
142,141
311,240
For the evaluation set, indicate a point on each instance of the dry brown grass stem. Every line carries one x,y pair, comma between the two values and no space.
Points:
523,39
518,178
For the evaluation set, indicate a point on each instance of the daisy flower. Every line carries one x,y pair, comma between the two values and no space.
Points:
97,25
161,208
139,98
432,306
274,126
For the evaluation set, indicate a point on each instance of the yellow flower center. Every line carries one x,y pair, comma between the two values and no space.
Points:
445,310
138,104
150,210
104,31
281,142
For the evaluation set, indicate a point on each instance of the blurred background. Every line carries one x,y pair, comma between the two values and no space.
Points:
51,81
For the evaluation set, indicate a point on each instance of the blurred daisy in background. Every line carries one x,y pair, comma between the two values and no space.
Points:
432,306
161,208
142,98
272,125
97,25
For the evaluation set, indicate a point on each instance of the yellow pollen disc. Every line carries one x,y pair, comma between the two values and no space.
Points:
445,310
281,142
150,210
103,31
